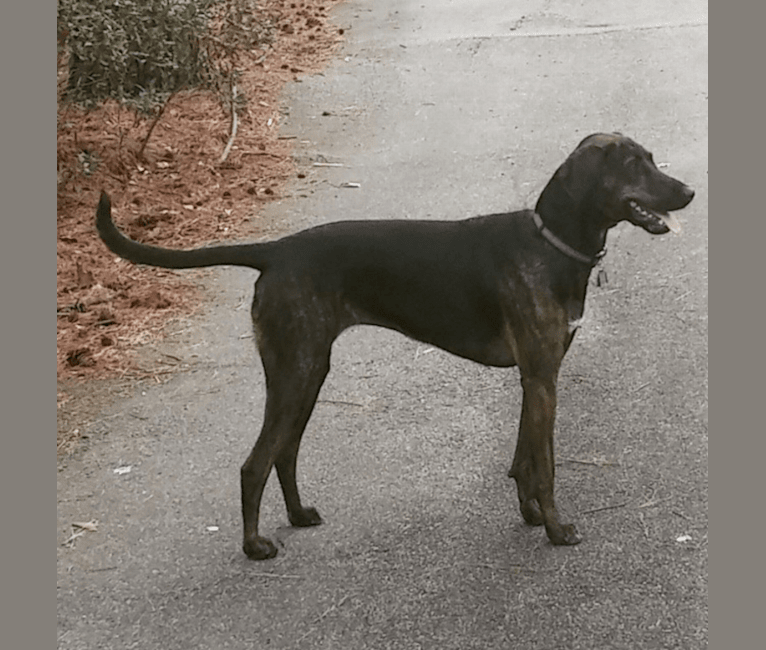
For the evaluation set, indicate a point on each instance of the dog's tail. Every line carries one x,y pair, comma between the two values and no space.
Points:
255,256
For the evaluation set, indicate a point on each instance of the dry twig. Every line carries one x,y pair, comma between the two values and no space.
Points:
226,151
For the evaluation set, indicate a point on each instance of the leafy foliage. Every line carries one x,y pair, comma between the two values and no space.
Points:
137,52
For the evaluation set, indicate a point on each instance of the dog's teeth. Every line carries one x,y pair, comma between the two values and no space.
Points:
668,219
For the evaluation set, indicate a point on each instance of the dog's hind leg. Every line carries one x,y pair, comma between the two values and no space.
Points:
285,463
291,392
295,351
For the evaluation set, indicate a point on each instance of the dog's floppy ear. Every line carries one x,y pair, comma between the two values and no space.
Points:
579,173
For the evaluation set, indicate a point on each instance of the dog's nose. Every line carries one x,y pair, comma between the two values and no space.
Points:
689,192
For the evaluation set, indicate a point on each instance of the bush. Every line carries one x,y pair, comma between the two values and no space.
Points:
138,52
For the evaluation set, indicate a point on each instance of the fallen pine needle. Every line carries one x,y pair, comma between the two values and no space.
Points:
614,507
516,566
597,463
648,504
339,402
332,609
321,616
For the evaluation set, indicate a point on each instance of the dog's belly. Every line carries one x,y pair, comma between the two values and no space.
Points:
496,353
461,319
475,344
489,353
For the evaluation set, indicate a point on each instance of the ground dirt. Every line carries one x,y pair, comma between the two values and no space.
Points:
175,193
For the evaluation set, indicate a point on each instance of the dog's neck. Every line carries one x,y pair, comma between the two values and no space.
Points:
564,247
574,232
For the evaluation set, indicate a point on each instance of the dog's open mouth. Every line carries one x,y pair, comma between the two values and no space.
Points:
654,221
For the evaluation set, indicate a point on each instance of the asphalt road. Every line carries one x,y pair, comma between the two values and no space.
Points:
436,109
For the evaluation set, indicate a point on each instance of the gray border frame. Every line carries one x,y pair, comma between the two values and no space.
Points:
736,586
29,79
737,444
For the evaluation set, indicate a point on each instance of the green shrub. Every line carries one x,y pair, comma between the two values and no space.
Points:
137,52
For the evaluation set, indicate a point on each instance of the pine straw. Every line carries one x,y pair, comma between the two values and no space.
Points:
176,194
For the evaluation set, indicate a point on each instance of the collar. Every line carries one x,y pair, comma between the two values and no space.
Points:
564,248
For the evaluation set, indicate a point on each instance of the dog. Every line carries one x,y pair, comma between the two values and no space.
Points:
502,290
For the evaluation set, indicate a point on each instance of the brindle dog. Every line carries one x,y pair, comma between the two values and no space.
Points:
503,290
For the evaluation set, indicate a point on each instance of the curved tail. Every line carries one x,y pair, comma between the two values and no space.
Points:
251,255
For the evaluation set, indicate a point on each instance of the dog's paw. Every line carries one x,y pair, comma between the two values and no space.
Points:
564,535
305,517
259,548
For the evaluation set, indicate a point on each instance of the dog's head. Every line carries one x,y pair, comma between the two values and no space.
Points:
614,176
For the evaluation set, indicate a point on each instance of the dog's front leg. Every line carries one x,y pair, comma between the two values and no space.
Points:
533,461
